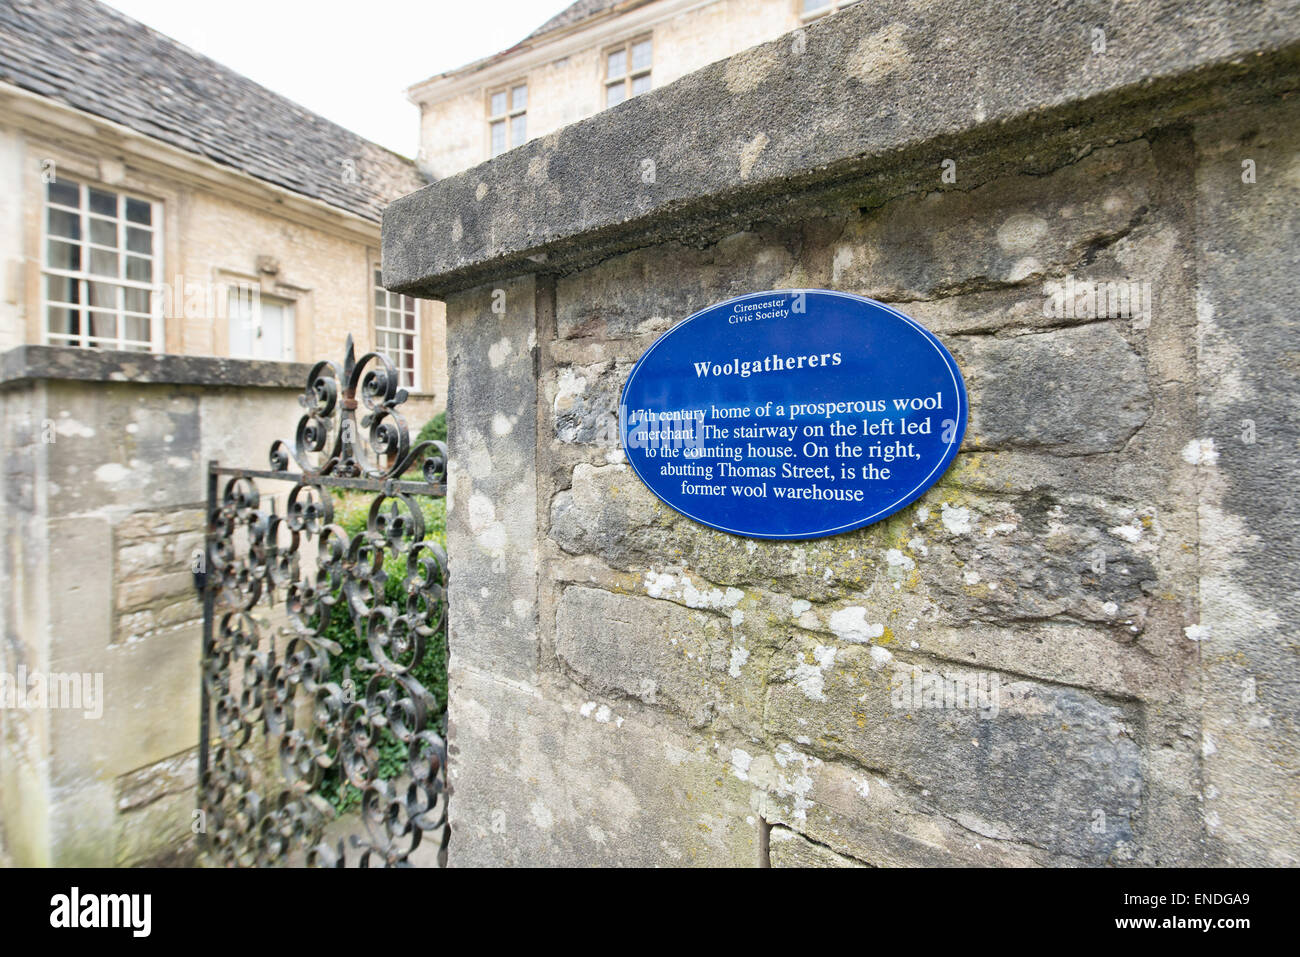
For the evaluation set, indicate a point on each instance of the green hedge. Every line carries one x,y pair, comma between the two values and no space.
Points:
351,511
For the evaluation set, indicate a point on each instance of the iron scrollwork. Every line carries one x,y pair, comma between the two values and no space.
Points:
277,716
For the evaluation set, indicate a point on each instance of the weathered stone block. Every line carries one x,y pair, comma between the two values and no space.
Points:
871,818
1047,766
553,779
156,813
1001,233
81,556
584,401
1247,452
950,558
137,447
142,679
609,301
491,501
1075,391
663,654
789,848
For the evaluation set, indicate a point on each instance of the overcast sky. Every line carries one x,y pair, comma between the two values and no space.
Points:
348,60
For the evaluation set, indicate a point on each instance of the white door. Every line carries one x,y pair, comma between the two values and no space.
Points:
260,327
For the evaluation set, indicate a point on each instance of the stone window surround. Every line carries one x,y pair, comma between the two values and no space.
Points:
287,309
273,287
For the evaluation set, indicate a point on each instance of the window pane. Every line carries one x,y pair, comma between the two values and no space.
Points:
103,202
139,240
499,103
65,224
641,55
65,194
103,262
64,321
240,326
272,331
59,289
498,137
103,324
103,232
63,256
518,130
519,98
615,93
138,211
103,294
616,64
811,5
136,328
137,300
139,270
641,84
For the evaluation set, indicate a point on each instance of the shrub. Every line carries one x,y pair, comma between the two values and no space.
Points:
434,430
351,511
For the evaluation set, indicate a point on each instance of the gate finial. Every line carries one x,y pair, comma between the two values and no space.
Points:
349,361
331,441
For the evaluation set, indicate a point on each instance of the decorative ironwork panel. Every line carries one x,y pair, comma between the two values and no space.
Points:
289,735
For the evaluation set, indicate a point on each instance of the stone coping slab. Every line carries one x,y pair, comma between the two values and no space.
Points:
26,363
876,87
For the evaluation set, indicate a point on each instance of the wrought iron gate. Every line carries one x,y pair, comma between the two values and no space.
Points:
281,721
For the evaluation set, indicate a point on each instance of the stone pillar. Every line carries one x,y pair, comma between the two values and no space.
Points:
629,687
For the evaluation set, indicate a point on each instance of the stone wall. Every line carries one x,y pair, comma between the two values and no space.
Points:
104,482
1115,545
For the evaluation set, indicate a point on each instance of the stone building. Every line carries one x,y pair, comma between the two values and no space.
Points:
155,201
592,55
1117,542
160,217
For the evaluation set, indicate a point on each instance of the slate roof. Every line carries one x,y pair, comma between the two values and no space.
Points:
575,13
90,57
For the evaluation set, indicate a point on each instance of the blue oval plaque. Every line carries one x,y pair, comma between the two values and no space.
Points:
793,414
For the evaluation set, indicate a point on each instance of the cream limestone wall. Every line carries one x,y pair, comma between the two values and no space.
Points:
320,259
565,73
103,513
10,237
